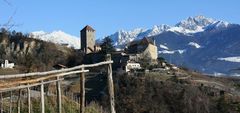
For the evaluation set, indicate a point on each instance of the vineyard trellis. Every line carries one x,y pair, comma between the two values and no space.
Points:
20,82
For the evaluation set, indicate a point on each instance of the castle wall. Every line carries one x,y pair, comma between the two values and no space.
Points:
87,41
90,41
150,52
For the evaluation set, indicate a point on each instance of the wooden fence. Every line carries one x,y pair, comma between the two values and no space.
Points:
18,82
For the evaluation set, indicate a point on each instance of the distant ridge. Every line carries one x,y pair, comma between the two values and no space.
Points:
188,26
58,37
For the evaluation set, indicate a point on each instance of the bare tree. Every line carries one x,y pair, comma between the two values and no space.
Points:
9,24
8,3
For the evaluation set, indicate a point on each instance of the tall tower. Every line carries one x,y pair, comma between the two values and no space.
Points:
87,39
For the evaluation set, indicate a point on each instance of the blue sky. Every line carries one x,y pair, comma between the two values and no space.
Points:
108,16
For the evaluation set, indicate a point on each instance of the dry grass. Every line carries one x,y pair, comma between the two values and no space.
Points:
8,71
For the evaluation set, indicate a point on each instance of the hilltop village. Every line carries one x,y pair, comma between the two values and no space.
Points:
138,55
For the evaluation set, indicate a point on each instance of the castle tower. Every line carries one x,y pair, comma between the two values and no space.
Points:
87,39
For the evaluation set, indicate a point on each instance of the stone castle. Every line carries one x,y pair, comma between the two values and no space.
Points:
140,49
88,44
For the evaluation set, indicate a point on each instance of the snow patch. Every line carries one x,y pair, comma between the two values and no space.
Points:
194,44
236,74
166,52
171,52
181,51
217,74
231,59
163,46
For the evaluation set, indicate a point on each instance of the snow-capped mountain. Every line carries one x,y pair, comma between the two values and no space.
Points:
214,50
195,24
217,25
58,37
123,37
154,31
188,27
199,43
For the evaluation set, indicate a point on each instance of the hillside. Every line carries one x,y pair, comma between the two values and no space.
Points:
176,92
169,91
35,55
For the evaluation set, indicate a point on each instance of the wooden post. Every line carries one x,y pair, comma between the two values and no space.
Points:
42,98
71,97
19,102
10,106
29,99
110,85
82,92
1,105
59,99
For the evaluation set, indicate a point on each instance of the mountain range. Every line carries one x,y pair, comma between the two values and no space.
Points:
203,44
199,43
189,26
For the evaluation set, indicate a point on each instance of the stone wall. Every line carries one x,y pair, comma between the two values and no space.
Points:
88,41
150,52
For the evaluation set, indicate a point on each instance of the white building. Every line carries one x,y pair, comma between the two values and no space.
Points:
132,66
6,64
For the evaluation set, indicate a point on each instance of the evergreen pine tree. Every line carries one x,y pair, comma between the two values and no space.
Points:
107,45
